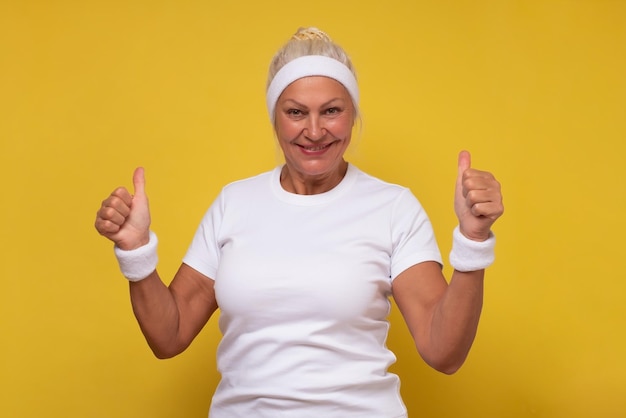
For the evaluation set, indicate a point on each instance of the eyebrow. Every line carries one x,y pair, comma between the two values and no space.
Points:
323,104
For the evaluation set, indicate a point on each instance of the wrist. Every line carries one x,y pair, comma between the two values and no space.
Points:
140,262
475,237
471,255
130,246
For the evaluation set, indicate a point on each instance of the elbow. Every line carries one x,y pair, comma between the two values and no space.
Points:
449,364
163,352
449,369
163,355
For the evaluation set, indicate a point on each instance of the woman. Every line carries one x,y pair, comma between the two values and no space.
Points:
302,261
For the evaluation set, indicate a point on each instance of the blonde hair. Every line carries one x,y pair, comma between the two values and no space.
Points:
310,41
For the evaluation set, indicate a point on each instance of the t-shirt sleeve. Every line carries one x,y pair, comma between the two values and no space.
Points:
413,238
203,253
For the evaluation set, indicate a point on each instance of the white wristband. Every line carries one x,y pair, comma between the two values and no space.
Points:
139,263
470,255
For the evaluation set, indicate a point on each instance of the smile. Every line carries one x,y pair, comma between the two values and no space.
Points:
316,148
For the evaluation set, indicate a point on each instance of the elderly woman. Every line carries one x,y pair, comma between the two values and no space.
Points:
302,261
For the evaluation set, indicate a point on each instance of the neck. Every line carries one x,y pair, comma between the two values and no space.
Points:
308,185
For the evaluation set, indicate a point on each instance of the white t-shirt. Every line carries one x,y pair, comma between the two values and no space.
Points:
303,285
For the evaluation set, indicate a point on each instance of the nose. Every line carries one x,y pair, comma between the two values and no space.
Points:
314,130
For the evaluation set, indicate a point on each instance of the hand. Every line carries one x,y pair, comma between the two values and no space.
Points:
477,200
125,218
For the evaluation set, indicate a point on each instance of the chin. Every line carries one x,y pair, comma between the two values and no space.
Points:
319,168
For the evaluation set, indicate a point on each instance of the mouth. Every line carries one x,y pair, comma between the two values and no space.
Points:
316,149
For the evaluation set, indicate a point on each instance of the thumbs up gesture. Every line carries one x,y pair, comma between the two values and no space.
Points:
124,218
477,200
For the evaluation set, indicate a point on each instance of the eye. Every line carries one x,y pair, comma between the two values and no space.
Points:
294,112
333,111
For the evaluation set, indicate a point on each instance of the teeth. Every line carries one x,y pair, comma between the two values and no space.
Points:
315,148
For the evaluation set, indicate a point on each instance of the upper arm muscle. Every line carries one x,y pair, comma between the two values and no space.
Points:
417,290
195,297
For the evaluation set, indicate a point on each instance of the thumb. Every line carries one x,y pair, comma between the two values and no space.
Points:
459,196
465,161
139,182
464,164
134,233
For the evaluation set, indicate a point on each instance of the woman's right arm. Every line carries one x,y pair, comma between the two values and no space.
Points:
169,317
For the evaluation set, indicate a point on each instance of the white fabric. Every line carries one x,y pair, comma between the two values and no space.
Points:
468,255
310,65
303,284
139,263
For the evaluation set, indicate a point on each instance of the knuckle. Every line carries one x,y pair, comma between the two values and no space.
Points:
121,194
471,196
107,212
105,227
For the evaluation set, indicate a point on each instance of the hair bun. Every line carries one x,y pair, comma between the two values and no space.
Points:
310,33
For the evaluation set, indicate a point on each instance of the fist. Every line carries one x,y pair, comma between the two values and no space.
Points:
124,218
477,200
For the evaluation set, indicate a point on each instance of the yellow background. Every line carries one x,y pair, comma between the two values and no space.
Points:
535,89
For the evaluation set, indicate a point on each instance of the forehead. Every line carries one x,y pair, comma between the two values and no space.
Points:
314,88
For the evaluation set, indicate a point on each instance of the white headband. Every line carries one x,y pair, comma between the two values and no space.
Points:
310,65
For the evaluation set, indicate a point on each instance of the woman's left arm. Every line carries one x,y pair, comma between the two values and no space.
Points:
443,318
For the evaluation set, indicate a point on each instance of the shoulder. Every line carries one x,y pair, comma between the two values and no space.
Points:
250,182
375,187
396,200
239,193
248,189
369,180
